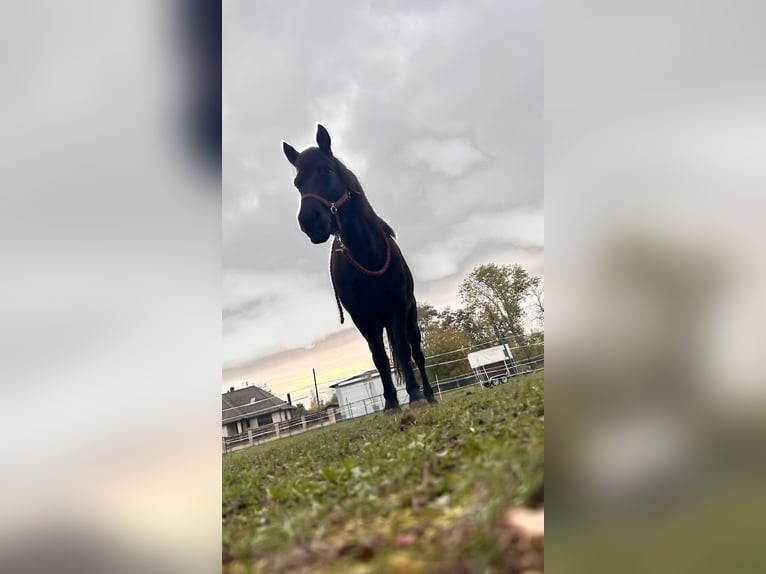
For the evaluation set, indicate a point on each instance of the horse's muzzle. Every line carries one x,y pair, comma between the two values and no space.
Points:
320,238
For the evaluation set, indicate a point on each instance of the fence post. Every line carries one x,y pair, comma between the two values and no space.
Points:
250,437
303,421
331,416
276,428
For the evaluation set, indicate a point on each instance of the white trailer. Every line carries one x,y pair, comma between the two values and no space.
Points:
492,366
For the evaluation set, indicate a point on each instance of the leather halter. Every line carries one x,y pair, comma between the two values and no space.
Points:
334,205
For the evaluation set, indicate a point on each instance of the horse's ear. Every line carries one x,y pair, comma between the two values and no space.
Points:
323,139
290,152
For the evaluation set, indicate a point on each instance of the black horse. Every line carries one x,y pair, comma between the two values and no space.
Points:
368,272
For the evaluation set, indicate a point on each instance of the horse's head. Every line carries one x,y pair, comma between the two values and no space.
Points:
319,178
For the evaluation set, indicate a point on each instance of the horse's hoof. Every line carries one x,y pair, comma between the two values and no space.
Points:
432,400
394,410
418,404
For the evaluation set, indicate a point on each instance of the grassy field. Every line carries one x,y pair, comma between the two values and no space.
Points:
425,491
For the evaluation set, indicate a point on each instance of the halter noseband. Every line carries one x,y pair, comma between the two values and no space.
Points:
334,205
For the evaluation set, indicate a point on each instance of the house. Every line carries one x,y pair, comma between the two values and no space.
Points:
251,407
363,394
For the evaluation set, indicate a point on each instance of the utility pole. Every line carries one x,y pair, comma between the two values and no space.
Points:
316,390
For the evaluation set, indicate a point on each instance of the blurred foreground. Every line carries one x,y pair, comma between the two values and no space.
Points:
110,332
452,487
655,133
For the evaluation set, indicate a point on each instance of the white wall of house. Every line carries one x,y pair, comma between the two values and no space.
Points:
276,416
366,396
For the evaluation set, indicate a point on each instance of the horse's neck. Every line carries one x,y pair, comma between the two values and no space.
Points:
361,233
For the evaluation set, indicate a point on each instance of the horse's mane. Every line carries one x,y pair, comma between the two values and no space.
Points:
353,184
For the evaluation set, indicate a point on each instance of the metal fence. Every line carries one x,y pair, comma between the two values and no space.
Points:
369,405
279,429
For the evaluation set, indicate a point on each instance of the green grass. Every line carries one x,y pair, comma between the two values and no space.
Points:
416,493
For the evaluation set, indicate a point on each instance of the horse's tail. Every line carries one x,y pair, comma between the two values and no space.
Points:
396,367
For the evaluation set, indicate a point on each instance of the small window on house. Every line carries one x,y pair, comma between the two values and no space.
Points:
264,419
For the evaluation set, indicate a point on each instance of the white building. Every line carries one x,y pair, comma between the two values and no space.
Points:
363,394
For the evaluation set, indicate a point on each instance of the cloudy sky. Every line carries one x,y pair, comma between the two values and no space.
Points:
438,109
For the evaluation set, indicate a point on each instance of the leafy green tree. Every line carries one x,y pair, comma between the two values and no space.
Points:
495,300
427,318
332,401
463,320
537,295
536,347
443,337
494,295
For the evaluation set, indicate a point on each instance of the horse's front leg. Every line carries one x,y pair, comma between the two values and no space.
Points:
380,358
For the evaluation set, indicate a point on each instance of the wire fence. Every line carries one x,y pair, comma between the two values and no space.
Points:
227,412
279,429
373,404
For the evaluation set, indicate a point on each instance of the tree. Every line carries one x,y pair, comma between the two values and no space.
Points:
332,401
537,294
475,330
495,299
494,296
427,317
443,335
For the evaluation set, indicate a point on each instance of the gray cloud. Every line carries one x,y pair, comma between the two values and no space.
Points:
449,156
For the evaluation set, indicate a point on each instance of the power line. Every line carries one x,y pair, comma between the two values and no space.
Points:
461,349
487,342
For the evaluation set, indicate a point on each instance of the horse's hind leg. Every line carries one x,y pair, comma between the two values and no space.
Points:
415,339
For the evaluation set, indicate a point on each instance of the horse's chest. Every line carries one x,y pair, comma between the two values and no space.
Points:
363,288
366,294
